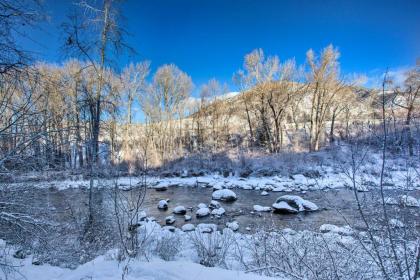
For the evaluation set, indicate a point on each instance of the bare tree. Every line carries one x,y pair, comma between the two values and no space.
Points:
169,89
15,18
324,86
408,98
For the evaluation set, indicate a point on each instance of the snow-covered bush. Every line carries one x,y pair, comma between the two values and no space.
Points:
168,245
212,248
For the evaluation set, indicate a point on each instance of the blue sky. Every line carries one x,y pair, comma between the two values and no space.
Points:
209,38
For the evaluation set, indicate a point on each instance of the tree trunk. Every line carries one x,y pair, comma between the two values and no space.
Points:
332,139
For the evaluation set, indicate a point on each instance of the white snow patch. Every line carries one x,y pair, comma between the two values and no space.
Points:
233,225
259,208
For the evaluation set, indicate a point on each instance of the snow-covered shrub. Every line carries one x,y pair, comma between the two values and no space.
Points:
212,248
168,245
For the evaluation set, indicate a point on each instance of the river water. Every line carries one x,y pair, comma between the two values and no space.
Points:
336,206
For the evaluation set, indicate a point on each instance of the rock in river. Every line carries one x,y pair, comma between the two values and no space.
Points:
225,195
180,210
293,204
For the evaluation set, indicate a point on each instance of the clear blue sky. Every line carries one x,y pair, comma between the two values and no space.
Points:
208,38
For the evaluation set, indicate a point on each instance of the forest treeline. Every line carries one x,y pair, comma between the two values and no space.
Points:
85,111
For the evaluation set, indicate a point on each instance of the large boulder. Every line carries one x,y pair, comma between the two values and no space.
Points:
225,195
293,204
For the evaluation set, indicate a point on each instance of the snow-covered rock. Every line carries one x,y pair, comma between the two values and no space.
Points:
218,212
202,205
170,220
345,231
259,208
214,204
225,195
293,204
299,178
289,231
188,227
395,223
264,193
217,186
161,188
207,228
391,201
233,225
283,207
409,201
202,212
187,218
279,189
169,228
362,188
163,204
181,210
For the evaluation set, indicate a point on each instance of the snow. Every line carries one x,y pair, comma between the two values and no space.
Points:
170,220
264,193
224,194
202,205
331,177
163,204
233,225
169,228
185,264
298,203
403,200
202,212
187,218
391,201
395,223
259,208
282,206
218,212
214,204
207,228
188,227
180,210
345,231
104,268
409,201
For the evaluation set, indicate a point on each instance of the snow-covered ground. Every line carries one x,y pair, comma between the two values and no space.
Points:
236,256
103,268
329,178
